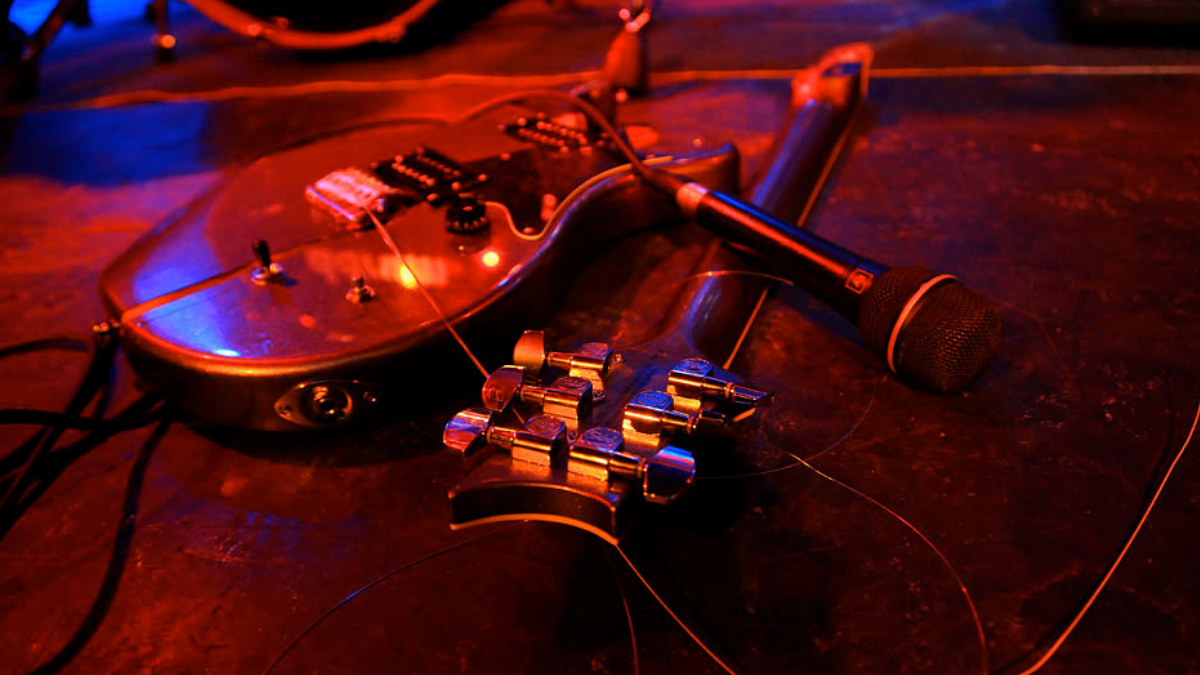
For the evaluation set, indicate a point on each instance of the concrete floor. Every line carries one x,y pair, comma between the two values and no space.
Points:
1068,197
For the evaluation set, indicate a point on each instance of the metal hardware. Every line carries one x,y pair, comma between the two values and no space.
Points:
650,416
599,453
105,331
591,361
268,271
695,380
541,442
567,397
552,133
359,290
325,403
351,196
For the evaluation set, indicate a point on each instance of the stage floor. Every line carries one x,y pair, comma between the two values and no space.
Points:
1056,177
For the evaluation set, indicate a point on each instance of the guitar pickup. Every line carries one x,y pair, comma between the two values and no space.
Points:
427,173
550,133
352,196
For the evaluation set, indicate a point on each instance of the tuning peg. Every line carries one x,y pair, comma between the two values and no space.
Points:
268,271
651,415
696,379
599,453
541,442
591,361
567,397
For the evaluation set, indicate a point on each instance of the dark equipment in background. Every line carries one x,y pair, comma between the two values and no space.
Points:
290,25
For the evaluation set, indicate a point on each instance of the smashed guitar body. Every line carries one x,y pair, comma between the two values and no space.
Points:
273,303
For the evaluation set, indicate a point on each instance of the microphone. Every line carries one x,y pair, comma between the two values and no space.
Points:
929,328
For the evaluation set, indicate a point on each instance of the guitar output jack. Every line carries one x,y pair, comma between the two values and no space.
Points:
326,403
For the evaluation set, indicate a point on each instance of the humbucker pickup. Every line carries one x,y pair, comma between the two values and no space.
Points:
545,131
429,173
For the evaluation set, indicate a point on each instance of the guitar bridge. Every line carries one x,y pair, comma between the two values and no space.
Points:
352,196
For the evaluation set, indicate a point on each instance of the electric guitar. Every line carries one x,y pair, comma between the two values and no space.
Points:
274,304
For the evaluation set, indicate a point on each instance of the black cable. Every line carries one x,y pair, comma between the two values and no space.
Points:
122,546
63,342
94,377
65,421
39,476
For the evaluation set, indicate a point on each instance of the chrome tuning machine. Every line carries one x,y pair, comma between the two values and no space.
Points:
591,361
651,416
541,442
569,398
695,380
600,453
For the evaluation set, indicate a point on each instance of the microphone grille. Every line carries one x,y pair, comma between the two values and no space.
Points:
948,339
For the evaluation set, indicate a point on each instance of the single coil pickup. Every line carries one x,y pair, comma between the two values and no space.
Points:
427,172
553,134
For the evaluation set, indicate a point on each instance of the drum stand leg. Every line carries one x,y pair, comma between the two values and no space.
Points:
21,76
164,41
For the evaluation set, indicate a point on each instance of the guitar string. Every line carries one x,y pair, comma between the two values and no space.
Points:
787,467
962,586
762,297
1087,605
387,239
625,602
678,621
378,580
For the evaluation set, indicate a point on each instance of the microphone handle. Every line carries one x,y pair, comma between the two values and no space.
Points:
827,271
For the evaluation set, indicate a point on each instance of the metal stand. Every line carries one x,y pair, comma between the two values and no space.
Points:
21,73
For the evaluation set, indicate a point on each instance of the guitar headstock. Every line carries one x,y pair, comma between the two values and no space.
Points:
585,437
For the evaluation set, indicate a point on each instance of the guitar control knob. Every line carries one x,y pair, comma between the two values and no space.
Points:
466,213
